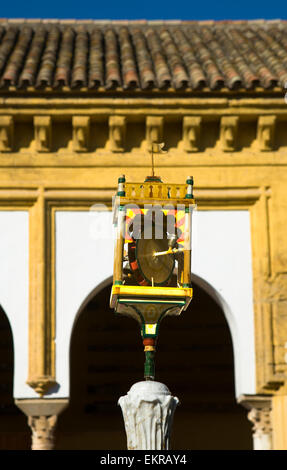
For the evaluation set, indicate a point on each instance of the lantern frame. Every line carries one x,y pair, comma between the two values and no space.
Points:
149,304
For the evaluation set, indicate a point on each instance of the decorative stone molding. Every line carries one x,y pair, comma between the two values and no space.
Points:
270,298
228,133
148,411
191,133
81,133
266,133
43,131
42,419
259,414
154,130
117,133
41,385
6,133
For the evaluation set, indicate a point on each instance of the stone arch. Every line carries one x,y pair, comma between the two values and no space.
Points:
108,281
221,263
99,387
211,291
14,432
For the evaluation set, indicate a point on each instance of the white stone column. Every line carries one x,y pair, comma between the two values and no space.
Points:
259,414
42,418
148,410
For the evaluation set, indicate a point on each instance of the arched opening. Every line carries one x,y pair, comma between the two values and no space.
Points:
14,431
194,359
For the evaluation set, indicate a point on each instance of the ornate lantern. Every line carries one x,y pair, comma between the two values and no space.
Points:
152,260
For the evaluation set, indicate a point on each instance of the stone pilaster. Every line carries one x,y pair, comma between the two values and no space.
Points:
259,414
42,418
148,411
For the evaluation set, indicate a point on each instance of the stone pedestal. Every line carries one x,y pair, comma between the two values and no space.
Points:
259,414
148,410
42,419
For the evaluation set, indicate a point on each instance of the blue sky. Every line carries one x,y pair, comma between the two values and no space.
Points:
145,9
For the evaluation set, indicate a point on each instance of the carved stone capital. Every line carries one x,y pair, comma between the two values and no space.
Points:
81,133
43,431
148,411
154,130
6,133
42,419
259,414
266,132
117,133
228,133
191,133
43,132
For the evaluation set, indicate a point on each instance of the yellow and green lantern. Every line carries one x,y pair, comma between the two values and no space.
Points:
152,261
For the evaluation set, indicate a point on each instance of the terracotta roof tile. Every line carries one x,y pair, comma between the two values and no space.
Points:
28,74
206,59
188,54
49,58
65,58
142,54
79,73
163,75
113,77
176,66
129,68
248,77
144,60
7,44
255,62
16,59
96,62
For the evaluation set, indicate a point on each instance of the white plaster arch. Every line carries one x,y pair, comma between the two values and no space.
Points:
89,297
221,265
231,322
14,290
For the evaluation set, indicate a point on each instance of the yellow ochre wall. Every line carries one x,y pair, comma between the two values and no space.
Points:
68,151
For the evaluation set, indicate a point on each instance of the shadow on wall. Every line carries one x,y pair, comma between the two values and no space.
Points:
194,359
14,430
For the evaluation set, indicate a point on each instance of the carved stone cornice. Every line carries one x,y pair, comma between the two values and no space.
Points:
265,133
191,133
154,130
6,133
43,133
117,133
81,133
228,133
